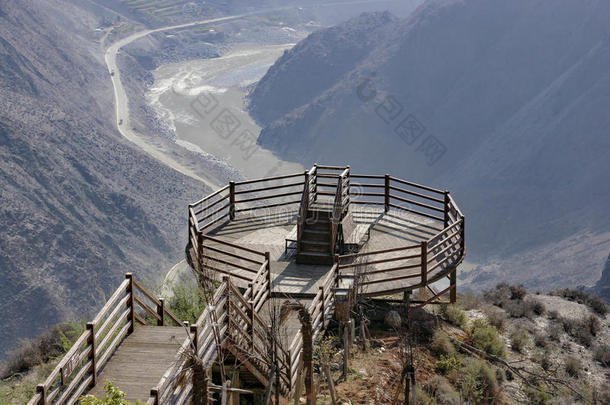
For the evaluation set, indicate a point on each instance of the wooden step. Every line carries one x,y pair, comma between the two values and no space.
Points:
319,214
315,245
318,226
316,234
308,257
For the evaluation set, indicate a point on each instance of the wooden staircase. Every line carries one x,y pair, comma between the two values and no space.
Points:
315,243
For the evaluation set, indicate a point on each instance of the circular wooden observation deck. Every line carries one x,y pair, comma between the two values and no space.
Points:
288,235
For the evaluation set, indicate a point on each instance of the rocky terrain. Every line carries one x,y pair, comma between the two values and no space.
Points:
503,103
80,206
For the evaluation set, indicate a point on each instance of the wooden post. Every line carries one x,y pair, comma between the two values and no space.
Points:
406,300
154,393
349,188
424,262
268,261
299,383
42,390
91,341
463,236
446,209
195,332
453,282
306,188
345,349
386,203
251,326
232,200
331,384
322,307
315,189
161,312
131,292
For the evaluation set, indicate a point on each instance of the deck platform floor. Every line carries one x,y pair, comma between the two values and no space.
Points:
140,361
267,231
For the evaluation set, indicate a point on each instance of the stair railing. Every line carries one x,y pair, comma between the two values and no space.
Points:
80,367
306,199
340,205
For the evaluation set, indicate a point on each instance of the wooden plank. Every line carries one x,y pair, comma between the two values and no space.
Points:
258,190
110,303
288,176
409,183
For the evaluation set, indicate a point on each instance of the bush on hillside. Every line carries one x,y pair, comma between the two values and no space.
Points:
519,339
537,306
496,317
537,394
454,315
582,330
573,366
49,345
601,353
517,292
187,302
114,396
442,391
446,364
486,338
540,340
441,345
478,384
593,302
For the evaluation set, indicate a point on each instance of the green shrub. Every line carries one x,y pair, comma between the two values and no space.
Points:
519,339
422,396
187,302
50,344
114,396
447,364
442,391
573,366
441,345
537,395
486,338
496,317
478,384
454,315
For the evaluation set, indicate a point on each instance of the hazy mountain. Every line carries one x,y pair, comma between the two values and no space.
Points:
513,94
79,206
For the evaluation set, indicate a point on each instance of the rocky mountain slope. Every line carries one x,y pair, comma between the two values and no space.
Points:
503,103
79,205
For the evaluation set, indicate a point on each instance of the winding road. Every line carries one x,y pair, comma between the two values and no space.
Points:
122,101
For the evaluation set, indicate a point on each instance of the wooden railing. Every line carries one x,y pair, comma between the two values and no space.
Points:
340,207
429,260
308,196
321,310
230,321
78,370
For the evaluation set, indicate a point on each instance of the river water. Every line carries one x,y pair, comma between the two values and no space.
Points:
203,101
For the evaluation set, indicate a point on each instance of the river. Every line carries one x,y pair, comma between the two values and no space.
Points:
203,101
